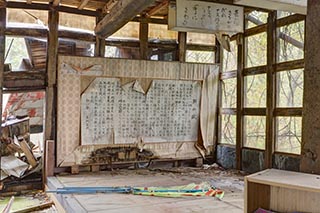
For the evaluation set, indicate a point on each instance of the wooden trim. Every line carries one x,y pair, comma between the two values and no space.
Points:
255,30
143,38
228,111
255,70
228,75
254,111
82,4
290,112
52,60
290,65
119,15
290,20
253,149
271,87
31,32
20,80
240,100
182,40
150,20
3,23
200,47
38,6
100,45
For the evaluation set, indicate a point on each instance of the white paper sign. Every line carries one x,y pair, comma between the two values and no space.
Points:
111,113
207,17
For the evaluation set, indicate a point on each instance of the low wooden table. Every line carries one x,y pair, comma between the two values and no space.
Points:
282,191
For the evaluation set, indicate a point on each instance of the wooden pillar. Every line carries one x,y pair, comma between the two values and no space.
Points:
182,48
3,21
240,100
51,90
100,45
271,83
310,153
143,37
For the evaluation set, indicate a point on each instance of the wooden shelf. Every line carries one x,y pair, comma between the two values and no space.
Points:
282,191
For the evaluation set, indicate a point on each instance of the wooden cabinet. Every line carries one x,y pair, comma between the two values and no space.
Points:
282,191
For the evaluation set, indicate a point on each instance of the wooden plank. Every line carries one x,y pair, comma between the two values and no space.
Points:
28,153
290,20
3,22
16,80
257,196
290,65
182,40
100,45
288,111
287,179
255,70
158,7
39,207
52,60
240,100
119,15
255,111
75,169
49,159
151,20
143,38
271,85
228,75
82,4
256,30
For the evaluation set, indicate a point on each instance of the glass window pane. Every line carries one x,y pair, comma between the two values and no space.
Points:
161,32
256,18
229,93
256,50
290,88
77,21
228,129
255,132
38,17
201,38
291,42
230,58
255,90
282,14
288,134
16,54
200,56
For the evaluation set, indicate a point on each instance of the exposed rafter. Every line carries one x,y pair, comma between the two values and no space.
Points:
82,4
109,5
121,14
157,8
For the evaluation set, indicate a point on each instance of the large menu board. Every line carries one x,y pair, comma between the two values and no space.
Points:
115,113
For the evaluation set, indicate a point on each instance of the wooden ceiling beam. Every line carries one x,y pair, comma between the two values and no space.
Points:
56,2
121,14
82,4
157,8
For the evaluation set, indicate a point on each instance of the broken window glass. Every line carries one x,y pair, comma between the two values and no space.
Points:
256,50
290,88
255,132
229,93
230,58
228,129
288,134
255,90
291,42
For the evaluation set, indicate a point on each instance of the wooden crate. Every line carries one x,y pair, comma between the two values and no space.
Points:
282,191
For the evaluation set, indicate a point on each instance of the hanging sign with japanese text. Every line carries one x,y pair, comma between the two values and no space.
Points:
205,17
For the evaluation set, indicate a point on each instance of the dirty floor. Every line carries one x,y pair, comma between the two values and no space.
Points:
229,181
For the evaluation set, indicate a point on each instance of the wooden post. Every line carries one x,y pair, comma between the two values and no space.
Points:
3,22
100,46
182,48
51,90
49,158
240,100
271,83
143,37
218,59
310,152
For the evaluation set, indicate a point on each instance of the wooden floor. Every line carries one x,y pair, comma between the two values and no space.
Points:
230,182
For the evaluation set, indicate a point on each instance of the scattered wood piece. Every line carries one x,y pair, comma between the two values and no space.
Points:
34,208
28,153
7,208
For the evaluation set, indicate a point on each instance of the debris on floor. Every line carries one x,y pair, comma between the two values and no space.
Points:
20,158
202,189
30,202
